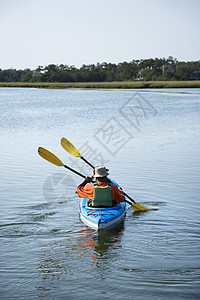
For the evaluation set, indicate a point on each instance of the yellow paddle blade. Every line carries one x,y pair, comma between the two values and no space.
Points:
50,157
69,147
139,207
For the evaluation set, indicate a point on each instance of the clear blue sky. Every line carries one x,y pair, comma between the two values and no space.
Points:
76,32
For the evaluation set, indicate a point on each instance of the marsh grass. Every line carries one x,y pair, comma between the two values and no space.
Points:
105,85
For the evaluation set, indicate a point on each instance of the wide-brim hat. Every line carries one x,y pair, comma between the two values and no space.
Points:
100,171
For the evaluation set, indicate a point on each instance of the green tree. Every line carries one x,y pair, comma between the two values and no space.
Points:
126,71
27,75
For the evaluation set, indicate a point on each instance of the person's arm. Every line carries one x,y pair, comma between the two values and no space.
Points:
84,189
86,180
118,194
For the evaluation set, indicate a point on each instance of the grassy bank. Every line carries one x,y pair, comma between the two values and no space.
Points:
105,85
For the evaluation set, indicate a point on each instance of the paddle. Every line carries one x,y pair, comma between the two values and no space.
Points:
56,161
73,151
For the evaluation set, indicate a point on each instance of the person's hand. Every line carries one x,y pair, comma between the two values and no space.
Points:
88,179
120,189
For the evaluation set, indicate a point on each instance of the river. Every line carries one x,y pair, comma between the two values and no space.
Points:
149,140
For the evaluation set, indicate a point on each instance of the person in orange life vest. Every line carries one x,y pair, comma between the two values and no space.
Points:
102,193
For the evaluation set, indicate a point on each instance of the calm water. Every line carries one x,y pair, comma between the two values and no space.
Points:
150,142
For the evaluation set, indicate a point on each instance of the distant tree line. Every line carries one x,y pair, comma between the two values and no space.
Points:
144,69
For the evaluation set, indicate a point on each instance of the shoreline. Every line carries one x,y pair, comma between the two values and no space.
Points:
105,85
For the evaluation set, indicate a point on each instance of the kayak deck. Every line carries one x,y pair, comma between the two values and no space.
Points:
100,218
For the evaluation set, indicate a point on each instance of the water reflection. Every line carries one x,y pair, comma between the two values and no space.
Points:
97,244
84,253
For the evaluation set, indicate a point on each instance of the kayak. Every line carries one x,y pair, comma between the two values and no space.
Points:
101,218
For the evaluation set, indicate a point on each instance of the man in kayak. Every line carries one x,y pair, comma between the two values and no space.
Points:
102,193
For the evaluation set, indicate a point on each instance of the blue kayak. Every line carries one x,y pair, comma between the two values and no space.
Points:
101,218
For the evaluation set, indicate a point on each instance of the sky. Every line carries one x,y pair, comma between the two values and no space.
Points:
77,32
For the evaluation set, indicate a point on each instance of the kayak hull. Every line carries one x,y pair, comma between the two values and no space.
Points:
101,218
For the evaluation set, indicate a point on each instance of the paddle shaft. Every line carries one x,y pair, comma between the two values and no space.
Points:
74,171
129,197
128,201
87,162
56,161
